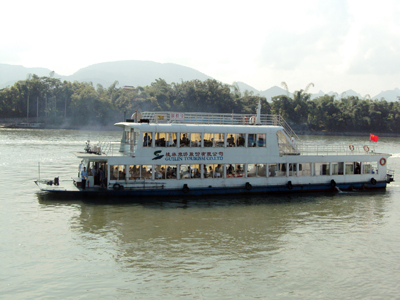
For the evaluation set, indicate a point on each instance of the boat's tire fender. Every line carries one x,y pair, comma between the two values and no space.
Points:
382,161
248,186
333,183
185,188
289,185
373,181
116,186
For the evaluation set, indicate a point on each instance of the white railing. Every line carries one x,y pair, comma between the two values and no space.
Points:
345,149
219,119
109,148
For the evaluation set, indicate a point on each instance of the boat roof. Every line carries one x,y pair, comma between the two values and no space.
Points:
164,121
200,127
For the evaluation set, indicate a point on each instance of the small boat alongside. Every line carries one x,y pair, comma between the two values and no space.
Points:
164,154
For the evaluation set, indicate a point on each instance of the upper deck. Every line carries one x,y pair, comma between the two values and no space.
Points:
199,118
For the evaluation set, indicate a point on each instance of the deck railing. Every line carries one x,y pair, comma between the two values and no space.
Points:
344,149
218,119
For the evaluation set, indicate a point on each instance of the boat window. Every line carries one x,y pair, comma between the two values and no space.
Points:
349,168
261,140
251,170
337,168
251,140
165,172
171,172
273,170
219,139
280,170
370,167
305,169
292,169
117,172
241,139
145,172
231,140
195,140
189,171
214,140
321,169
160,171
160,138
239,170
208,140
184,140
147,139
165,139
357,168
214,171
230,170
134,172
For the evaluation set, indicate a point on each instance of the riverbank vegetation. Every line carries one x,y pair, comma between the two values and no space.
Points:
79,104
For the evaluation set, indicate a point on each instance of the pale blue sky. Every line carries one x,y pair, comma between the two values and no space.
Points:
336,44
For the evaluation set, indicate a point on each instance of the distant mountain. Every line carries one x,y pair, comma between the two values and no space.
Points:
135,72
9,74
390,95
132,72
142,73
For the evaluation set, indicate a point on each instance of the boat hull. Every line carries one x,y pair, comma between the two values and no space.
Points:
142,194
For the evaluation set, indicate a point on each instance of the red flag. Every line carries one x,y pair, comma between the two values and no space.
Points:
374,138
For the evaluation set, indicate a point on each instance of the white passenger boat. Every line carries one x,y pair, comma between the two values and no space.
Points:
189,154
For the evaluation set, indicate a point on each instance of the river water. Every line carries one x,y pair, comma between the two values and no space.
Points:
319,246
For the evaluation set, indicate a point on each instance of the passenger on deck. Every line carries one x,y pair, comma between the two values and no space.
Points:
102,178
84,176
146,140
231,141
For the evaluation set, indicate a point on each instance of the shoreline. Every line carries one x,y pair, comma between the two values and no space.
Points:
111,127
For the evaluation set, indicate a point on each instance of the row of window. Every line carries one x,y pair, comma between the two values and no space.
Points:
192,171
188,139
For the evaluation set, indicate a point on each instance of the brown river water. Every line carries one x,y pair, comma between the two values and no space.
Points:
316,246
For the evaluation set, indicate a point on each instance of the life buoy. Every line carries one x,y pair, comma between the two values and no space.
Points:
248,186
116,186
244,120
333,183
373,181
185,188
252,120
289,185
382,161
366,148
351,147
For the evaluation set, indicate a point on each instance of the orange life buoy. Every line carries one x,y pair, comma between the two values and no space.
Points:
244,120
382,161
351,147
366,148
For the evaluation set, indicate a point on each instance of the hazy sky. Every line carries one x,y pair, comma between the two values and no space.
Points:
335,44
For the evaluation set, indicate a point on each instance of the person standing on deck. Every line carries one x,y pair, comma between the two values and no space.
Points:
84,176
102,178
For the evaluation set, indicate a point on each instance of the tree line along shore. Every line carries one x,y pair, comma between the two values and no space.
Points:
64,104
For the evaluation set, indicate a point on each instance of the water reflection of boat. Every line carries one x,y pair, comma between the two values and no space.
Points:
176,156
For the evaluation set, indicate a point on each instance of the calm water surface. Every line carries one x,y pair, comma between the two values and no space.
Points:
325,246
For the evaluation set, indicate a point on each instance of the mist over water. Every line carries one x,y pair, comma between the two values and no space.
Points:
317,246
